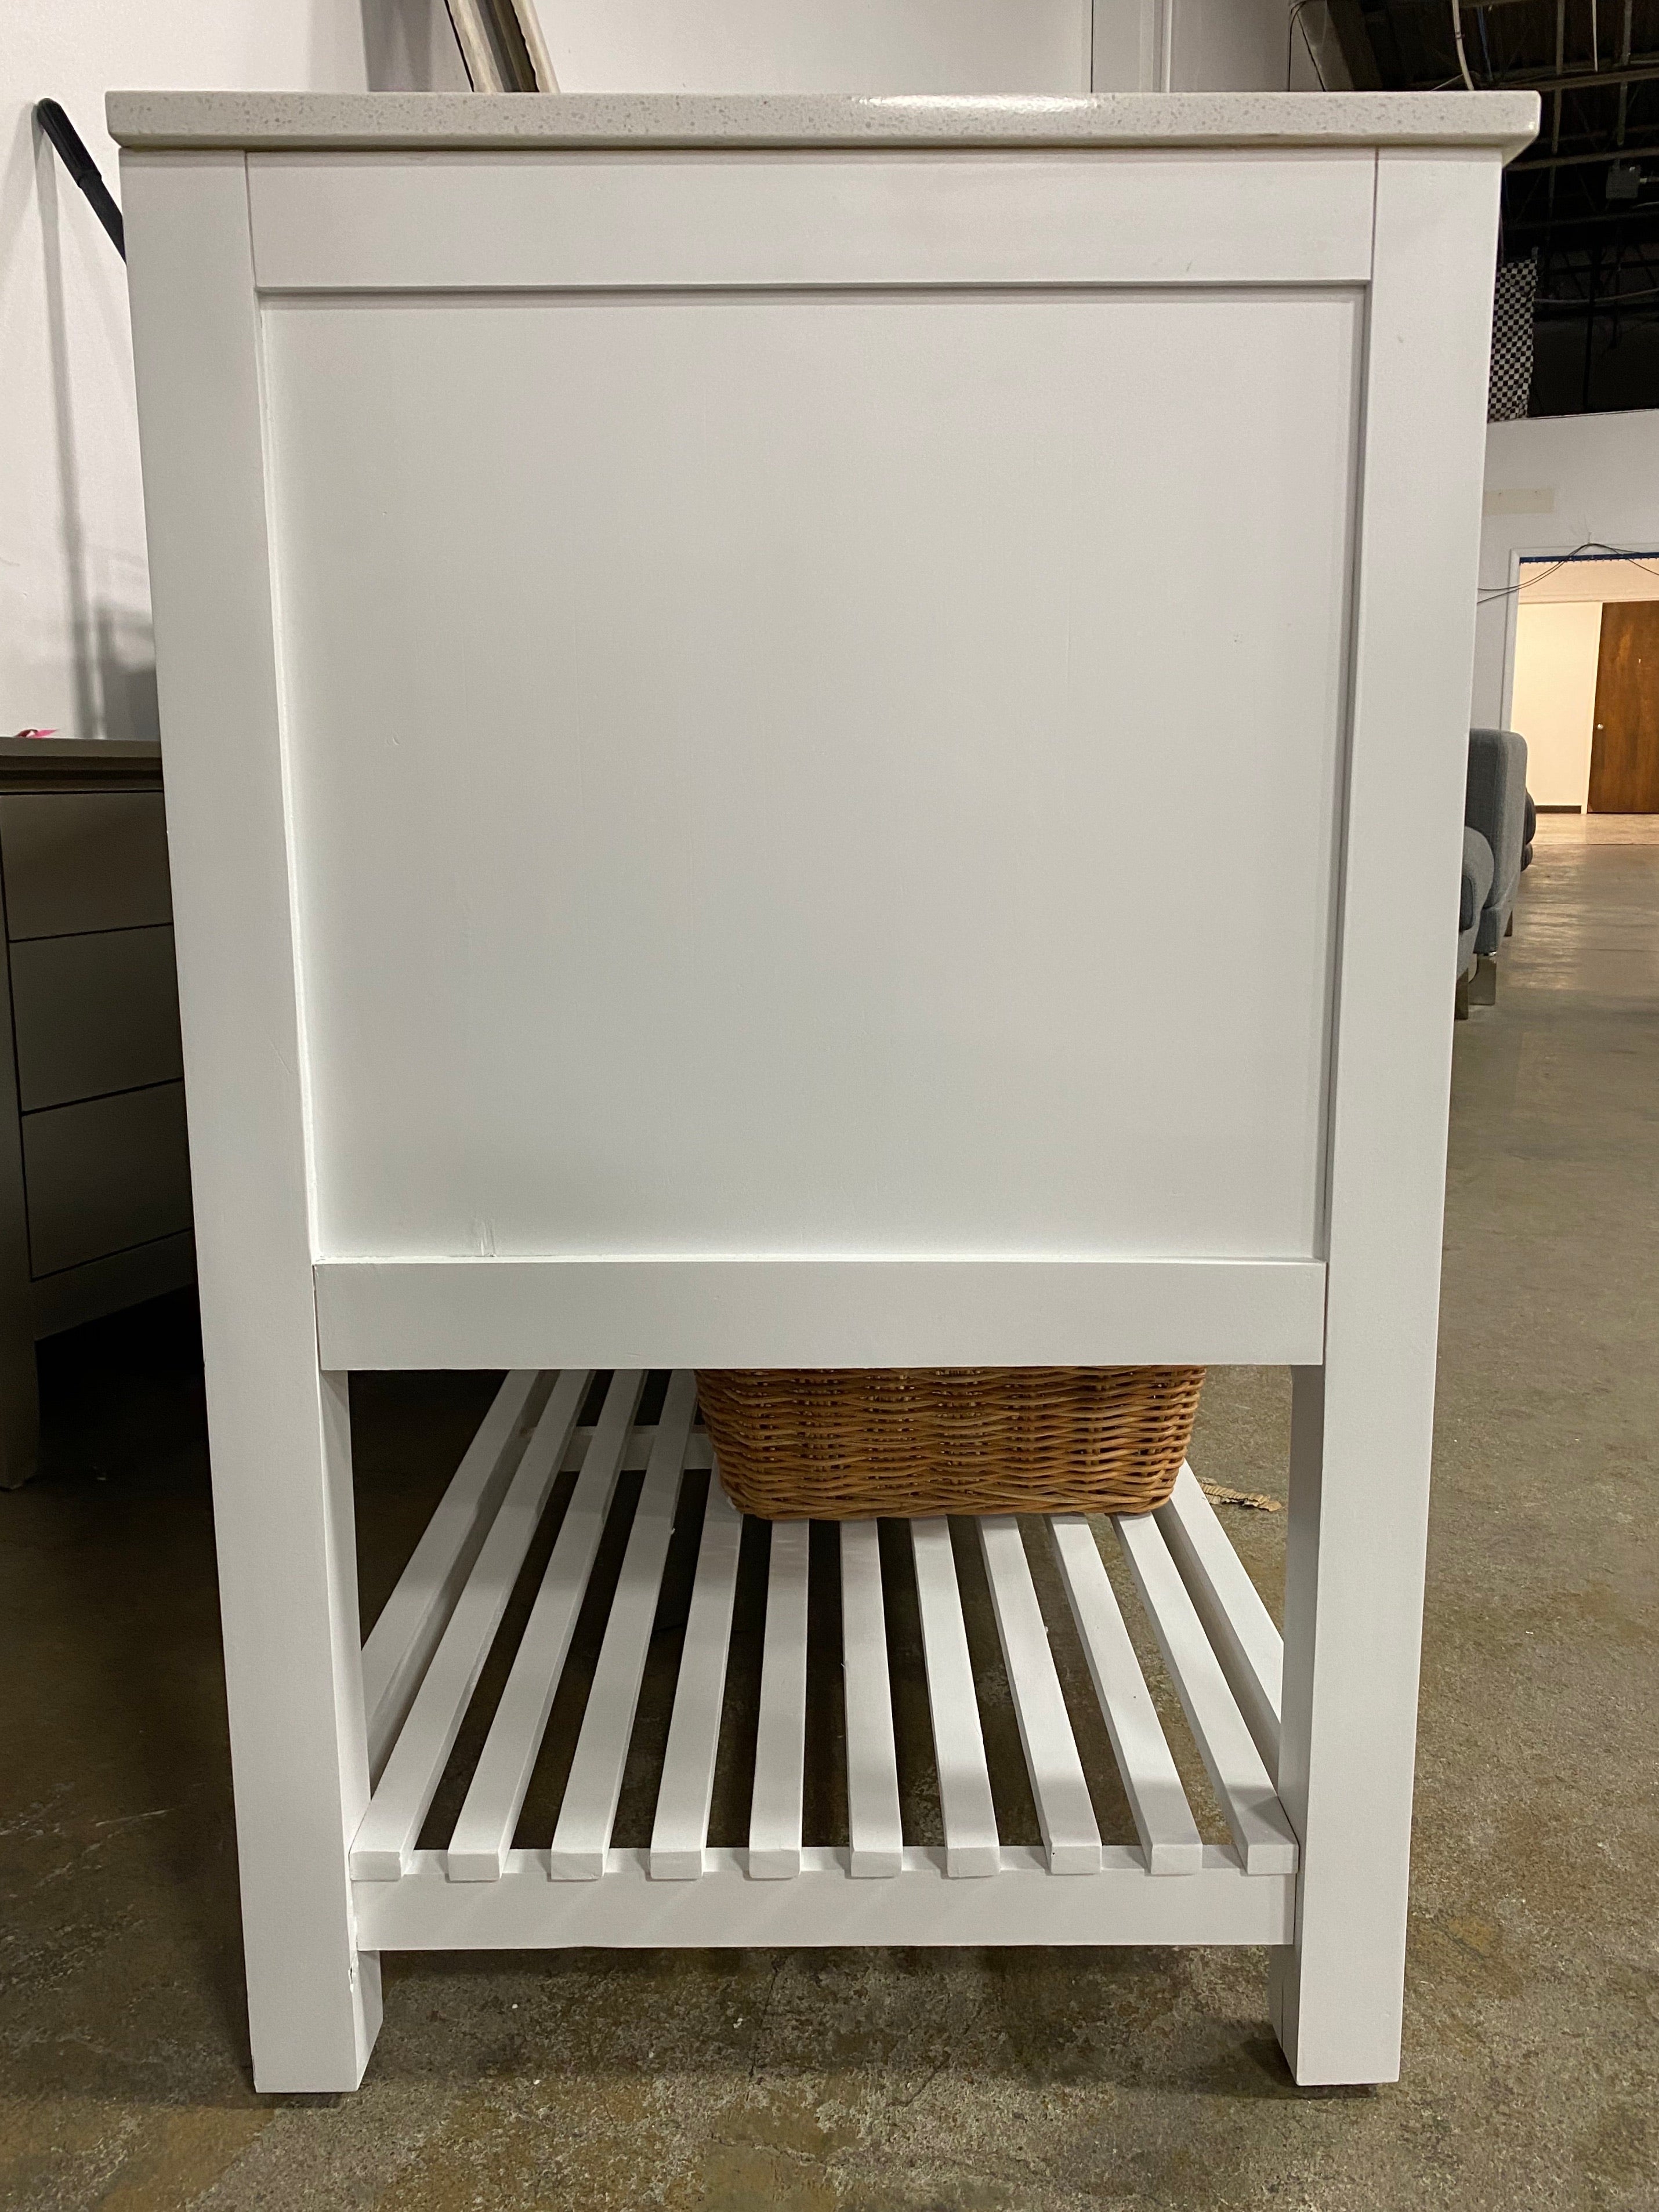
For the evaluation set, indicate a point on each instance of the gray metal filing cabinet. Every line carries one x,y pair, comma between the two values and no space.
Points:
94,1180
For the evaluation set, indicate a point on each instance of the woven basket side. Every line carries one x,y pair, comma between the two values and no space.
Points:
850,1443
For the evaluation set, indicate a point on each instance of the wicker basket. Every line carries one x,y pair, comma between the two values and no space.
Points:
847,1443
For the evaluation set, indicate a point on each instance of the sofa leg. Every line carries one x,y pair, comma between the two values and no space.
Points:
1483,986
1462,1001
1508,926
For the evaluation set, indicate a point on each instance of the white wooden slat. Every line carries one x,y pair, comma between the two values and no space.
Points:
389,1828
1169,1840
1240,1628
875,1834
679,1833
582,1834
971,1844
1262,1836
824,1905
483,1834
412,1619
1071,1834
641,1442
775,1808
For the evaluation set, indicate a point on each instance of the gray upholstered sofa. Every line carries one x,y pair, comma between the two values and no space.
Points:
1494,845
1495,804
1478,868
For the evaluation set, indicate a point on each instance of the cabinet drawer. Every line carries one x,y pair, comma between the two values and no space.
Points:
92,1014
83,860
104,1175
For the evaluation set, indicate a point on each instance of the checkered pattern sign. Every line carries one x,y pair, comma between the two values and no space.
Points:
1511,340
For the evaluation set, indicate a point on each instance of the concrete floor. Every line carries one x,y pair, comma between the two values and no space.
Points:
926,2081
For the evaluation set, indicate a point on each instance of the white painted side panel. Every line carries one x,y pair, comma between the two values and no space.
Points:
863,708
474,222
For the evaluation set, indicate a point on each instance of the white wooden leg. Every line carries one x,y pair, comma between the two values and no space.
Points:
1362,1423
277,1428
287,1582
1353,1603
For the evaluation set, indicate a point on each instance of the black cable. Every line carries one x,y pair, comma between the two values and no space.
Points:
84,170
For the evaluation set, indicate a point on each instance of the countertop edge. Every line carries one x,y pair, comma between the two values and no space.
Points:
435,122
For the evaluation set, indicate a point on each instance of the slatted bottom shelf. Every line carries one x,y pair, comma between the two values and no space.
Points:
559,1535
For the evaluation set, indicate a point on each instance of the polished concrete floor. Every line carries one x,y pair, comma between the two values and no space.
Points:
917,2081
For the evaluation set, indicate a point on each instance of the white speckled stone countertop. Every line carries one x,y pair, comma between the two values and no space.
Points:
276,121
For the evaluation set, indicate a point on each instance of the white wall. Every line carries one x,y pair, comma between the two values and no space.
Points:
75,650
1557,646
75,644
804,45
1247,45
1552,484
931,45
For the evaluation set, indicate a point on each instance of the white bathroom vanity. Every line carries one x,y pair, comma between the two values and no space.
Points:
809,732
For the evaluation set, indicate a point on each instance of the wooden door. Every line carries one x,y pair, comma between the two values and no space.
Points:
1625,750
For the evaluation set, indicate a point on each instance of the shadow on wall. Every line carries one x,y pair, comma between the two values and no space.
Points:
72,534
125,657
80,651
112,657
408,47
